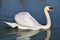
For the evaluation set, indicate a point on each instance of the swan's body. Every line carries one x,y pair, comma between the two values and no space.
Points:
25,21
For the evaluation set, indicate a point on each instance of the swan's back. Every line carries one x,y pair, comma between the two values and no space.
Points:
25,19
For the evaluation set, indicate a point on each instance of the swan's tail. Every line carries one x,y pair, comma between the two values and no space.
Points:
13,25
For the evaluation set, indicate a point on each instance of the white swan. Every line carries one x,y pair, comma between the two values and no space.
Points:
25,21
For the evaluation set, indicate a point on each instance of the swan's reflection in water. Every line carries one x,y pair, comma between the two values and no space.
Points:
27,35
48,34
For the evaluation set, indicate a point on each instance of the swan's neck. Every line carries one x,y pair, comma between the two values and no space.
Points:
48,25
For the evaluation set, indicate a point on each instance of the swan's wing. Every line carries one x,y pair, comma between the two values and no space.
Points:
25,19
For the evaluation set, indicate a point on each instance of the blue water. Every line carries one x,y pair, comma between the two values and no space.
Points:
9,8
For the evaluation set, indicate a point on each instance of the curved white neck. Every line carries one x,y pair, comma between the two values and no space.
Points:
48,25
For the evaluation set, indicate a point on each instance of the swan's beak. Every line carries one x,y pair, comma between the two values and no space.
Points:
51,9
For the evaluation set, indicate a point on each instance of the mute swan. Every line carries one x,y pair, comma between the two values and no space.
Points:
25,21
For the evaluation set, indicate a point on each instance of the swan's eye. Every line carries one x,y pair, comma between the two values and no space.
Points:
51,9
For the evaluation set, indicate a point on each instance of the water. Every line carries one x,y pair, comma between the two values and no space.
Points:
9,8
50,34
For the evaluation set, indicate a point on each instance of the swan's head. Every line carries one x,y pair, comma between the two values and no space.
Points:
48,8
